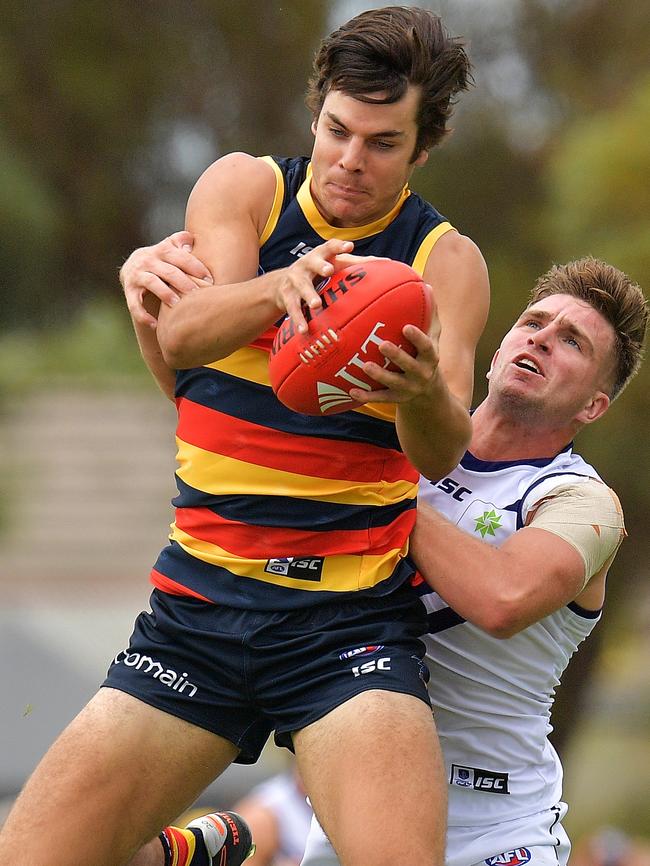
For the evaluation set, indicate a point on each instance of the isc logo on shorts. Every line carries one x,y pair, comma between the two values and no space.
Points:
371,666
516,857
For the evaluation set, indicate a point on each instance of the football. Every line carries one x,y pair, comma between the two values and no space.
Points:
363,305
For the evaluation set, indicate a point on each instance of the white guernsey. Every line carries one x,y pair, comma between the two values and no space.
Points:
492,698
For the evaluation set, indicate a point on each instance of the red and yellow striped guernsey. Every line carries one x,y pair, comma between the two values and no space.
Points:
277,510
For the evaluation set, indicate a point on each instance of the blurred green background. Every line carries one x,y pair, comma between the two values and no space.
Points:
110,111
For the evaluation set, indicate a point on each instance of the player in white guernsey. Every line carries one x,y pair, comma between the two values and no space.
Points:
516,567
279,816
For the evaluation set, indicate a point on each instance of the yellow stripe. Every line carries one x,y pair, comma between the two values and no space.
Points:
383,411
325,230
218,475
423,253
344,573
273,217
248,363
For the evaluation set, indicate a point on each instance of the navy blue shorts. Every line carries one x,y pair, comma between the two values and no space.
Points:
243,674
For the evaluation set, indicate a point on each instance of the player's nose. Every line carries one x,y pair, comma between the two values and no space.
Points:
352,155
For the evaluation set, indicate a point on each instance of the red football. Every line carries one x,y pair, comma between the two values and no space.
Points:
363,305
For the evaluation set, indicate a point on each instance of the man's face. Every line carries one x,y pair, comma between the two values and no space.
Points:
362,156
555,365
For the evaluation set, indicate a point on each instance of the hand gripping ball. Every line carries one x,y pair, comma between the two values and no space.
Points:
363,305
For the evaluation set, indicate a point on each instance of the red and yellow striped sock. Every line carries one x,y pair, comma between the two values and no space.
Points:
183,847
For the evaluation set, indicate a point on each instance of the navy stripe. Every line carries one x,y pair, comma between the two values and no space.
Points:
555,810
475,464
223,587
441,620
290,511
583,612
257,404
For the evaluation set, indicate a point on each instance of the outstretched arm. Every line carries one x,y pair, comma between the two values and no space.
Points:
434,390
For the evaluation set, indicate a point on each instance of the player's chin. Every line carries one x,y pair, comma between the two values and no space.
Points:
348,214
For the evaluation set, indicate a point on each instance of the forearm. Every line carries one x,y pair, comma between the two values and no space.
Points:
434,430
150,350
500,589
464,571
214,321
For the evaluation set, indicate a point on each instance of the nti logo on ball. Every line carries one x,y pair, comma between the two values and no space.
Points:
313,371
516,857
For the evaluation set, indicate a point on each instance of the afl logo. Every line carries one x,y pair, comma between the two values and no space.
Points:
516,857
361,650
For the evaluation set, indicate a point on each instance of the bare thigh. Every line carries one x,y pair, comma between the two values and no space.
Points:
118,773
374,774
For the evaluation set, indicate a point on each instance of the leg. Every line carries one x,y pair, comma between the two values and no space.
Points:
374,774
113,779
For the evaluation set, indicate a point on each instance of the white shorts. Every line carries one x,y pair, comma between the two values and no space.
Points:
537,840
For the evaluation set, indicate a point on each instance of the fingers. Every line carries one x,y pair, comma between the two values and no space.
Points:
166,270
412,376
182,239
346,259
299,288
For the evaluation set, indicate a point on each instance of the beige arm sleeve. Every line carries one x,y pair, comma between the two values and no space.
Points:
586,514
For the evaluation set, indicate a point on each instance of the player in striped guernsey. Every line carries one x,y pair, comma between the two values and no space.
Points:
289,547
516,553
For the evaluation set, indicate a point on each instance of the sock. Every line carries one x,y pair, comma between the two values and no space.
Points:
184,847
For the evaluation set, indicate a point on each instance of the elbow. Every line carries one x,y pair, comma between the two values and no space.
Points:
501,618
176,358
178,350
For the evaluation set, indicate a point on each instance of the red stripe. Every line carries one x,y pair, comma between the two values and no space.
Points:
262,542
306,455
166,584
265,340
179,842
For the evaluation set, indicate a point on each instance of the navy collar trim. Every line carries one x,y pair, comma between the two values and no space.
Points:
475,464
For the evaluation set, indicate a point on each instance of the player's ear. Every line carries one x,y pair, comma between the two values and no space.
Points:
492,363
314,124
421,158
594,409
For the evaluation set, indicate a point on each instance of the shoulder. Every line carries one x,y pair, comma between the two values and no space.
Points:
236,181
580,499
458,275
455,253
587,514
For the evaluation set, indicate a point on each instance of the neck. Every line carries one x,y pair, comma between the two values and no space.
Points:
499,436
